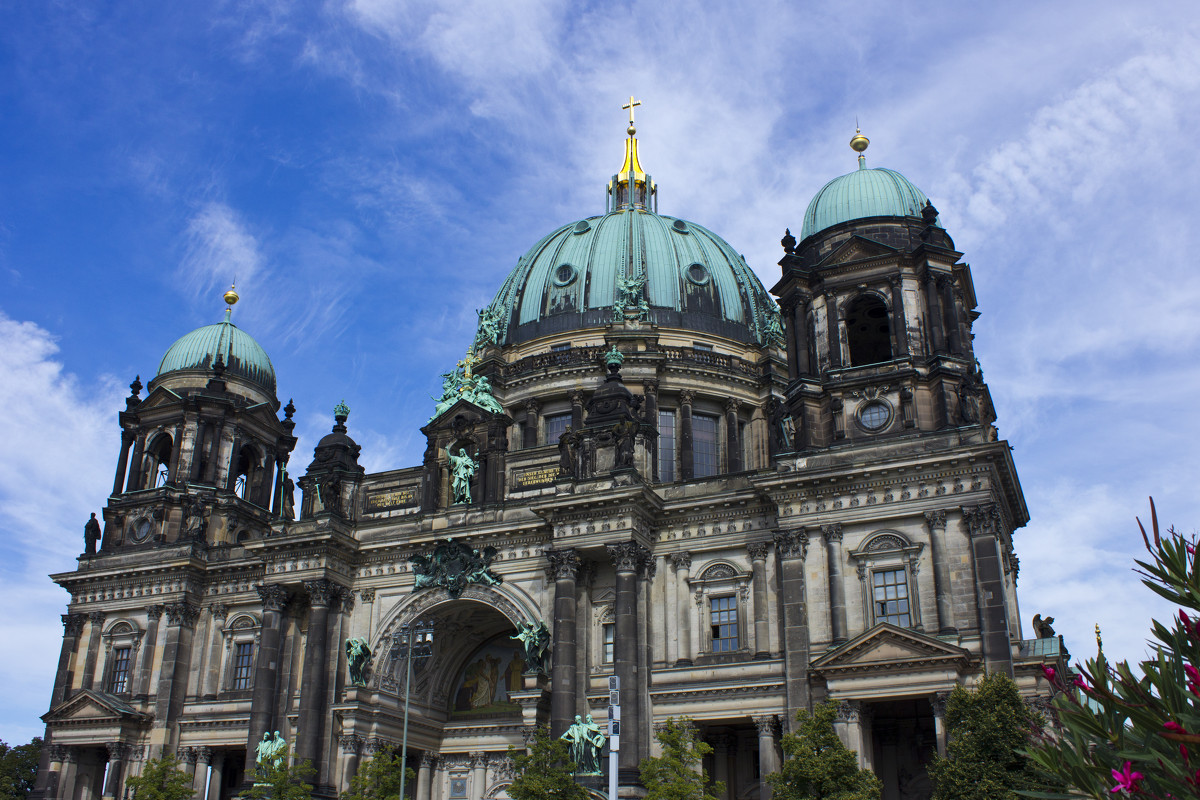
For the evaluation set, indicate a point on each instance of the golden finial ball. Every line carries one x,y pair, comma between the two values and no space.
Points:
859,142
231,296
631,130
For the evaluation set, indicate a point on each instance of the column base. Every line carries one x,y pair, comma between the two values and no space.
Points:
683,662
762,655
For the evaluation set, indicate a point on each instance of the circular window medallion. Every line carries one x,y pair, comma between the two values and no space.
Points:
680,226
583,226
564,275
697,274
874,416
141,530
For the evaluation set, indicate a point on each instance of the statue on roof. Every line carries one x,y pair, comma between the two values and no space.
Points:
631,299
773,328
462,383
488,331
91,535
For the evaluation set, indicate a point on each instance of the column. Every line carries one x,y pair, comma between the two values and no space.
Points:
65,676
583,634
217,614
938,702
264,489
650,417
351,750
530,435
116,756
983,526
833,325
214,453
316,674
202,429
564,566
627,556
849,718
946,287
176,667
837,592
122,463
791,547
758,571
962,323
424,774
683,622
478,762
176,448
266,669
215,776
686,467
733,440
200,779
646,572
187,757
146,670
135,467
66,780
933,306
899,323
50,778
767,762
95,626
800,335
787,309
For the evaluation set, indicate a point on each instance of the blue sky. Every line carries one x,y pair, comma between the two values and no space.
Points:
370,171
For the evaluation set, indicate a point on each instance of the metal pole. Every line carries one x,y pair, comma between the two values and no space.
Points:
407,633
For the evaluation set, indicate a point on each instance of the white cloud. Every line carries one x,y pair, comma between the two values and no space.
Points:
220,251
58,448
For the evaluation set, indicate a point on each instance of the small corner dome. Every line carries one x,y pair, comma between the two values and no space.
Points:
243,357
875,192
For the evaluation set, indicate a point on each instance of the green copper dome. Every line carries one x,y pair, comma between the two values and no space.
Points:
241,355
663,270
863,193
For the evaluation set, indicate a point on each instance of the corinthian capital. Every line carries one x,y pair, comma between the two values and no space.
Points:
792,544
274,597
935,520
563,563
626,556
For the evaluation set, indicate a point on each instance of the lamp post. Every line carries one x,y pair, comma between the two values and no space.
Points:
413,641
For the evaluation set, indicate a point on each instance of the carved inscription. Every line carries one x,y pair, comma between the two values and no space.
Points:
391,498
535,476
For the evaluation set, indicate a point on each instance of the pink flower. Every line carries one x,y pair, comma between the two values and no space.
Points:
1127,780
1173,726
1193,678
1081,683
1049,673
1187,623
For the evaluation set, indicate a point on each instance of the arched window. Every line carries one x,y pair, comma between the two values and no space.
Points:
245,473
868,332
157,466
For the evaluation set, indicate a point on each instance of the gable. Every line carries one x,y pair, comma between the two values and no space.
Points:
857,248
88,706
887,647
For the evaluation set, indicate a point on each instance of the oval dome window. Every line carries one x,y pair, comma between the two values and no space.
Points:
697,274
564,275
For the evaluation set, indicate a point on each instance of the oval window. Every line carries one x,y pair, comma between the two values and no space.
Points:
564,275
583,226
680,226
697,274
874,416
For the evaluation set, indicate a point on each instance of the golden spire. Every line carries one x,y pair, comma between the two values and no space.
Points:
858,144
631,163
231,298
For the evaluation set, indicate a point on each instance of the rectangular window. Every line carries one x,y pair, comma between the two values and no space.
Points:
723,616
706,456
242,665
556,426
702,346
609,632
559,348
890,592
118,683
666,446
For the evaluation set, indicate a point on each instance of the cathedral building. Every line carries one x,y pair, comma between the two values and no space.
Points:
646,468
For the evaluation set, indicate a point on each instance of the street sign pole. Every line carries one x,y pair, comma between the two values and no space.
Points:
614,733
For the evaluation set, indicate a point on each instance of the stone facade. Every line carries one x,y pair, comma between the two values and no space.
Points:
736,530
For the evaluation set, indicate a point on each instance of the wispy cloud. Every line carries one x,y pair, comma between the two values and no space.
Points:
220,250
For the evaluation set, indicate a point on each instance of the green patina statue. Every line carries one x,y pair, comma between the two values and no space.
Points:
454,566
462,469
535,637
270,751
462,384
631,299
358,661
586,741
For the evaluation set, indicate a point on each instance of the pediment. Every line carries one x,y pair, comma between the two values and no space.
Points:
92,706
470,412
857,248
887,647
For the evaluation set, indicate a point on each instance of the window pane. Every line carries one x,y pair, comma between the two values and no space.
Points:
556,426
119,683
723,618
666,446
890,595
609,634
242,665
705,453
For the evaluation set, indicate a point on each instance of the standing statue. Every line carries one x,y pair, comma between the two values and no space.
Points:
630,296
462,469
270,751
194,525
358,660
1042,627
91,536
625,433
535,637
566,453
330,492
288,500
585,741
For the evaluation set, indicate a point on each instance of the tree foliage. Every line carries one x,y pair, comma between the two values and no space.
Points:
988,729
817,766
284,782
1137,734
161,779
546,772
379,778
676,774
18,768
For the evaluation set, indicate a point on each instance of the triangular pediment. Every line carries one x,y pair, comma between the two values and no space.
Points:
857,248
88,705
470,412
887,647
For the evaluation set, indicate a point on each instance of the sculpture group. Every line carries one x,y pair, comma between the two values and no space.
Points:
454,566
586,741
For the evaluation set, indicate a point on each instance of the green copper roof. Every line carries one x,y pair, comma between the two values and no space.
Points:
242,356
863,193
693,279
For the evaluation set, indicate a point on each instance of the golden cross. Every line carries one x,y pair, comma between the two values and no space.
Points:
630,105
468,361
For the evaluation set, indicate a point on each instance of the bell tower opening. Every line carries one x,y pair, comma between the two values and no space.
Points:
868,332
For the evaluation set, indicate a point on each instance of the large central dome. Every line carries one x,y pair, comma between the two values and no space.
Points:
676,274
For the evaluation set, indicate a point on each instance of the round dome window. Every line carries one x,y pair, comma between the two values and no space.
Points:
697,274
874,416
583,226
564,275
680,226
